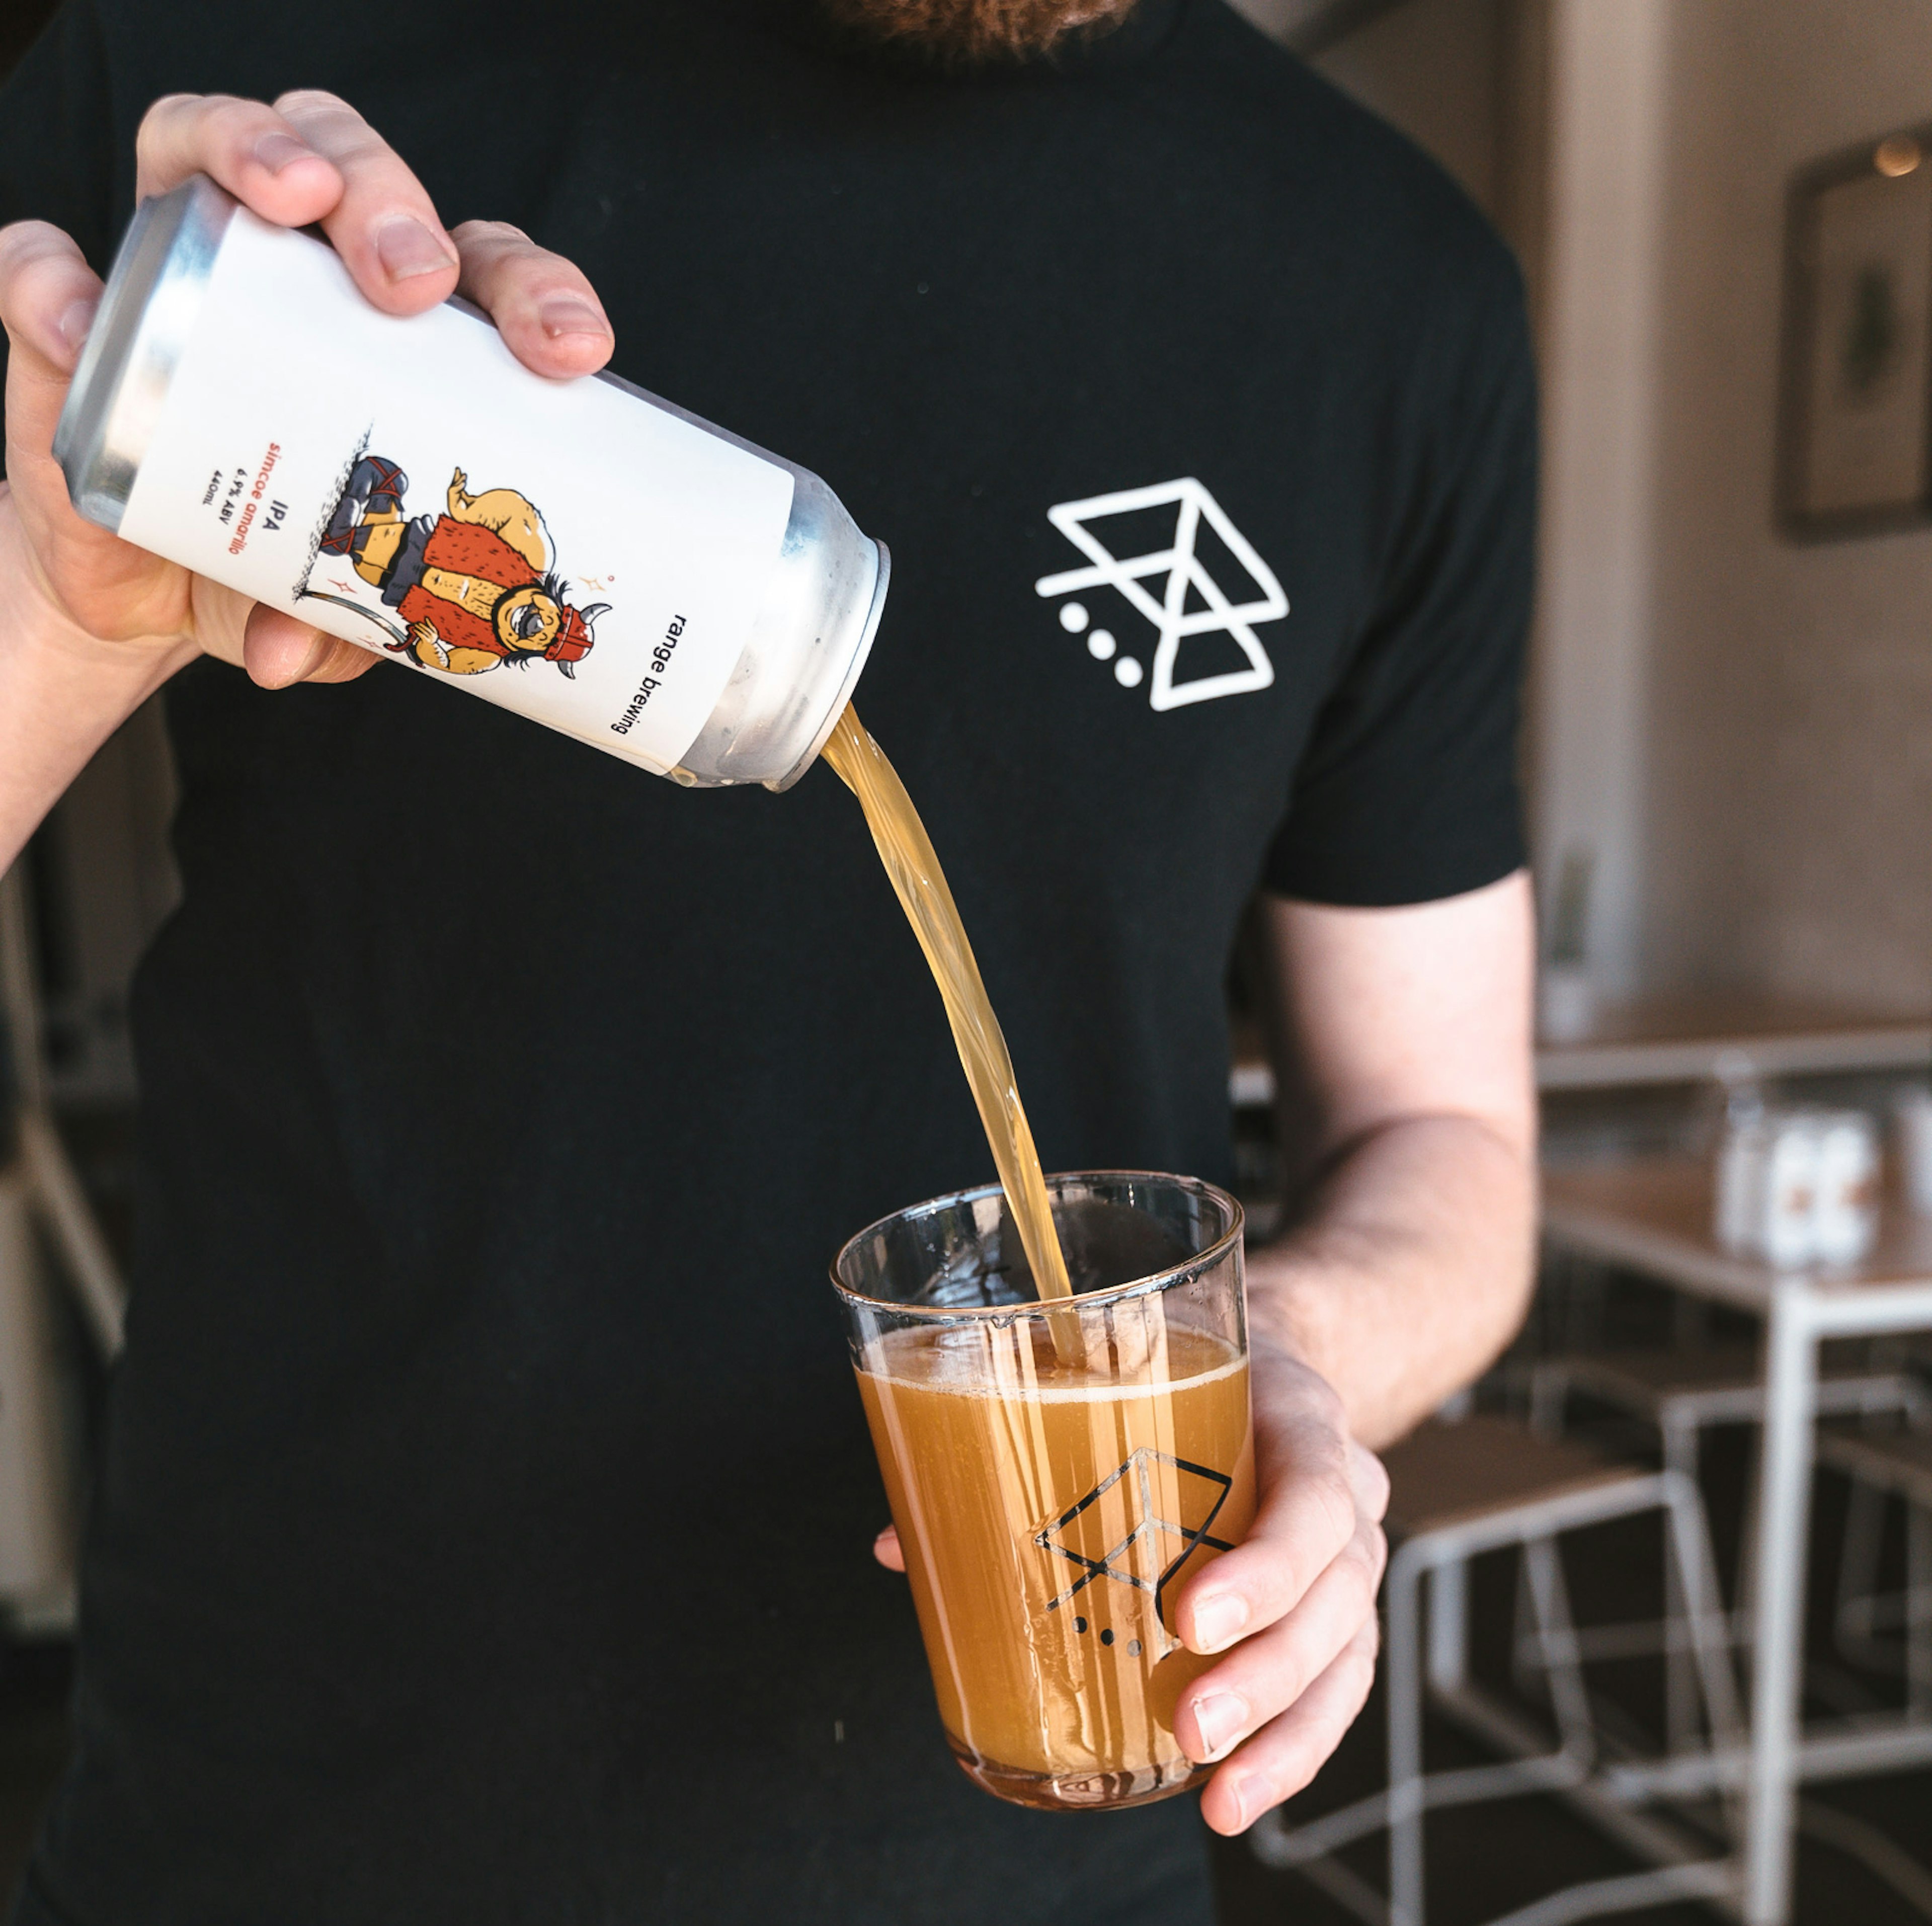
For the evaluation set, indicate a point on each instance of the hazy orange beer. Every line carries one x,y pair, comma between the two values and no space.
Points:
1058,1474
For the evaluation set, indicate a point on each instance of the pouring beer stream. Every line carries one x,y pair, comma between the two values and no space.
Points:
920,884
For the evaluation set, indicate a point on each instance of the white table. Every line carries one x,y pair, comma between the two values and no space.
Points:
1688,1039
1684,1039
1654,1215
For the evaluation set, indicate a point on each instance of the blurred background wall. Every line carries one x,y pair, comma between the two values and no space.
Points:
1787,831
1731,733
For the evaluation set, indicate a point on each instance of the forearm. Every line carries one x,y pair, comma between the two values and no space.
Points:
62,691
1408,1271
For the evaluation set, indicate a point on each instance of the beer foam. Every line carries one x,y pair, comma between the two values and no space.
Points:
982,1361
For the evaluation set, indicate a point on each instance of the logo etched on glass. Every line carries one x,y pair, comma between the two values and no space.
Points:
1118,1531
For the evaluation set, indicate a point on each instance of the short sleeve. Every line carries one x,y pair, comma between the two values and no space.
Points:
58,135
1407,790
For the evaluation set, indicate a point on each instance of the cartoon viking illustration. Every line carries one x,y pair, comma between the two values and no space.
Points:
474,586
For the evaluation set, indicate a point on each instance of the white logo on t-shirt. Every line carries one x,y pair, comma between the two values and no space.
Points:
1215,613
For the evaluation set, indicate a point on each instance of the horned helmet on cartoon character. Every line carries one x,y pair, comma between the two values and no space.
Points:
476,587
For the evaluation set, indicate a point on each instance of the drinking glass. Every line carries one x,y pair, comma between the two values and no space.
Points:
1058,1472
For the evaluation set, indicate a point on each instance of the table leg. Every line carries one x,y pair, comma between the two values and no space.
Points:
1777,1617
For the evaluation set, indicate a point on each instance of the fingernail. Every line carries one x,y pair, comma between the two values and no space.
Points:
1218,1620
76,320
279,675
571,314
1250,1801
277,151
1220,1719
406,248
320,650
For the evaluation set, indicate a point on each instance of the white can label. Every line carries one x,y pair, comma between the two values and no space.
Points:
569,550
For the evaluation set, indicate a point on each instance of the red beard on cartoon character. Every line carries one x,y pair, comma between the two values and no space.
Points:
976,32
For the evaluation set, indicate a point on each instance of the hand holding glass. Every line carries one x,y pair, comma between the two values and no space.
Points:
1058,1472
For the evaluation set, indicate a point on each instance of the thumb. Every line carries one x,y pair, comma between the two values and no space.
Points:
887,1550
277,650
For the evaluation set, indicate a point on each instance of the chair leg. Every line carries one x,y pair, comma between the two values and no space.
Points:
1556,1630
1689,1321
1402,1671
1918,1610
1680,1695
1548,1392
1449,1624
1528,1674
1853,1621
1744,1591
1689,1550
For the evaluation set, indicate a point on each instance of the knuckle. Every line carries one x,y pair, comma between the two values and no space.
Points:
331,124
1378,1553
498,236
1325,1405
1294,1680
228,117
38,263
1373,1474
1363,1570
1276,1674
1330,1489
22,241
312,100
1355,1671
168,106
558,271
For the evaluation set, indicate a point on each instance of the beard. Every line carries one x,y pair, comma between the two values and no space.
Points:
979,33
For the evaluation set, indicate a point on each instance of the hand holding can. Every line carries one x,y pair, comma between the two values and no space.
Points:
272,421
309,159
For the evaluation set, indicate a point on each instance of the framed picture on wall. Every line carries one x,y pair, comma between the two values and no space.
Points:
1855,440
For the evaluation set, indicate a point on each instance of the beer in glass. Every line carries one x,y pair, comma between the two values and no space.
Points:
1059,1470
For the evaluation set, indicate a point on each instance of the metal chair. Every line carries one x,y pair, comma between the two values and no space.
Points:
1476,1486
54,1188
1681,1394
1884,1466
40,1192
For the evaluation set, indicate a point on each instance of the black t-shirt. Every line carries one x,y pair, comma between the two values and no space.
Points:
483,1530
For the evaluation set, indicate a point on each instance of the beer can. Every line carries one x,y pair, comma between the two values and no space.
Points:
1787,1226
1742,1156
1799,1187
1845,1213
579,551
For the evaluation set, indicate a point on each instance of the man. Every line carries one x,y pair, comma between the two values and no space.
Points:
480,1532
